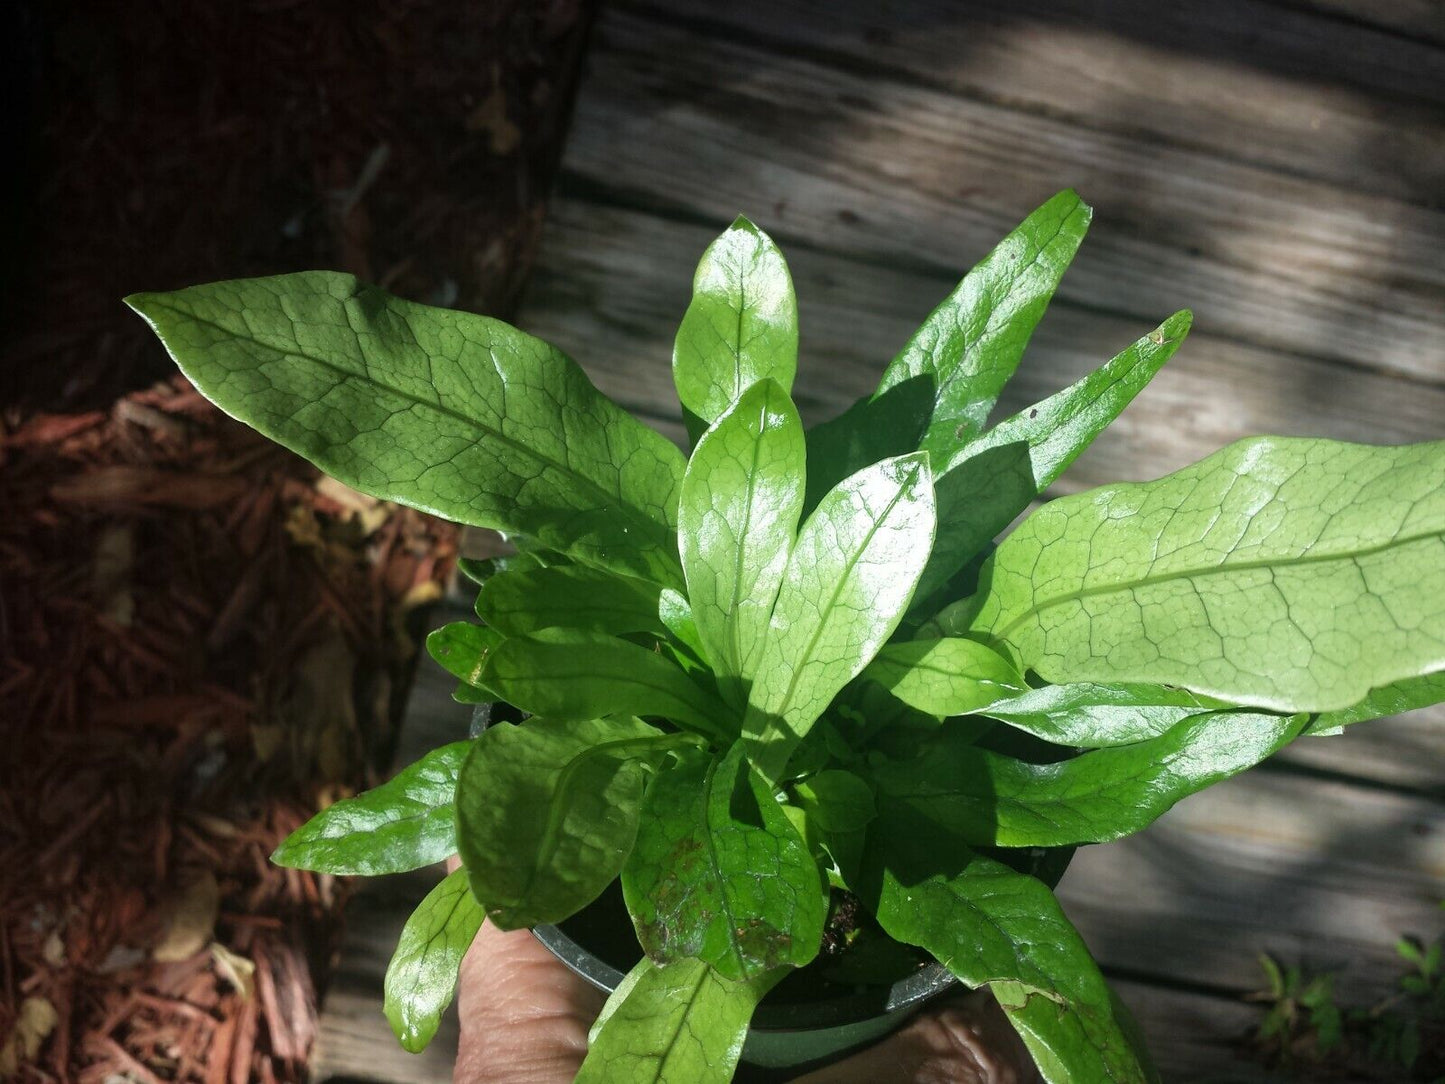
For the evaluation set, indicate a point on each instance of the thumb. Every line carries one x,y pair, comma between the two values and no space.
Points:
524,1015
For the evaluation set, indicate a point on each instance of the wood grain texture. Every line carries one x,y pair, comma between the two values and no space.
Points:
1195,1038
1323,873
354,1042
1413,20
909,176
1278,88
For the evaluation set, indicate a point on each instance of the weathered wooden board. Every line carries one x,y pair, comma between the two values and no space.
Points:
613,283
1323,873
1280,88
911,176
1413,20
355,1042
1195,1038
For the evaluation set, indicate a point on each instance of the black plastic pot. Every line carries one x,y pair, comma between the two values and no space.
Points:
803,1022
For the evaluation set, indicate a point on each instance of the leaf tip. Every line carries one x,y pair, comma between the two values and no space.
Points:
744,223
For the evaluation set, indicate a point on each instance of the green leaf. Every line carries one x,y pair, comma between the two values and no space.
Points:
838,801
1092,716
869,431
992,926
404,824
986,798
1395,699
948,676
741,327
991,479
461,649
719,873
675,613
680,1022
579,597
547,812
422,975
971,344
571,675
1283,573
742,495
845,588
456,414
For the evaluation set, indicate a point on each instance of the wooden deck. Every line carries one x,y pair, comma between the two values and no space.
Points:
1279,167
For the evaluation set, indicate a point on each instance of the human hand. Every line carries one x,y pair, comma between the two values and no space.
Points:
525,1015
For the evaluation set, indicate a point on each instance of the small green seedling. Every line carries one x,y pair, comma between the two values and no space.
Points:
792,662
1308,1033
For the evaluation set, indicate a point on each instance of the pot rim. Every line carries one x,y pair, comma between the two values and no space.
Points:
864,1003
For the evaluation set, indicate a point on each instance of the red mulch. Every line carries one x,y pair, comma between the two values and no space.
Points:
199,643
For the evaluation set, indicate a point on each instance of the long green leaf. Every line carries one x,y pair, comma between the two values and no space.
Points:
571,675
1402,696
719,874
742,496
992,926
456,414
422,975
945,676
971,344
845,588
988,799
1283,573
579,597
741,327
1094,716
683,1022
404,824
547,812
991,479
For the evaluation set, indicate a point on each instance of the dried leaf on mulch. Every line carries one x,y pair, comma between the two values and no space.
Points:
179,596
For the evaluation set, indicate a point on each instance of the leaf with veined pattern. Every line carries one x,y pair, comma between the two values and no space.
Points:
1282,573
456,414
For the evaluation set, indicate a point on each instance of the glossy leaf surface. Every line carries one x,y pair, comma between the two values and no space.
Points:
742,496
679,1022
971,344
986,798
946,676
719,874
845,588
404,824
574,596
992,926
547,812
741,327
991,479
422,976
570,675
456,414
1283,573
1094,716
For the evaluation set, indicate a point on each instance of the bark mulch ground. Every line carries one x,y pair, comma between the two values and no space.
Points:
202,642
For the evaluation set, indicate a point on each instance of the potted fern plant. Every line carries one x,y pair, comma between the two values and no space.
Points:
790,667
